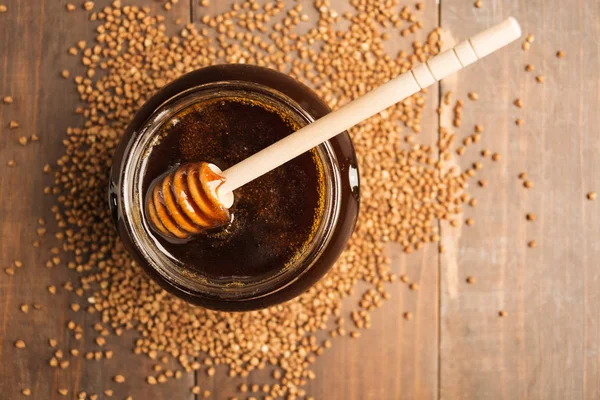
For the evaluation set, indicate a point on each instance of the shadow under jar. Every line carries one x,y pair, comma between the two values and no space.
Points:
288,227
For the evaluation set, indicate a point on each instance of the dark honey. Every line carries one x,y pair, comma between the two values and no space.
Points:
274,217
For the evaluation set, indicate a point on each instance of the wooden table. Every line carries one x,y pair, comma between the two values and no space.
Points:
548,345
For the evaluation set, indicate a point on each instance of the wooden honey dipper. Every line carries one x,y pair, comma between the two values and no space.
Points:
197,196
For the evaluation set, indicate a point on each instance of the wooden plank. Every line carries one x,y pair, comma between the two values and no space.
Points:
34,38
396,359
546,347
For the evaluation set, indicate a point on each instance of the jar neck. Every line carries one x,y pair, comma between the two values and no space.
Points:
150,247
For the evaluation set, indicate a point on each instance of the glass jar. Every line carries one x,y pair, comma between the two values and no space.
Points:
340,175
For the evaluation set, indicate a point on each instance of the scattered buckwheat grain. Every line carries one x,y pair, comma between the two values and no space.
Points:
132,56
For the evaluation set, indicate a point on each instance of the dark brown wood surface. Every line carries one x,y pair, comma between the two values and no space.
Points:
456,347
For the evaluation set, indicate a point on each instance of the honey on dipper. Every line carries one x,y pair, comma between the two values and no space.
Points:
274,217
185,201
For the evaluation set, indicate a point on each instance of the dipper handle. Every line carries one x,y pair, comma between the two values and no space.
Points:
386,95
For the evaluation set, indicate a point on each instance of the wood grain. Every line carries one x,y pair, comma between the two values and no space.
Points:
34,38
456,346
546,347
397,359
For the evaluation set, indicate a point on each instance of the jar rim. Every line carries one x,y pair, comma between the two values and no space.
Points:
132,196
